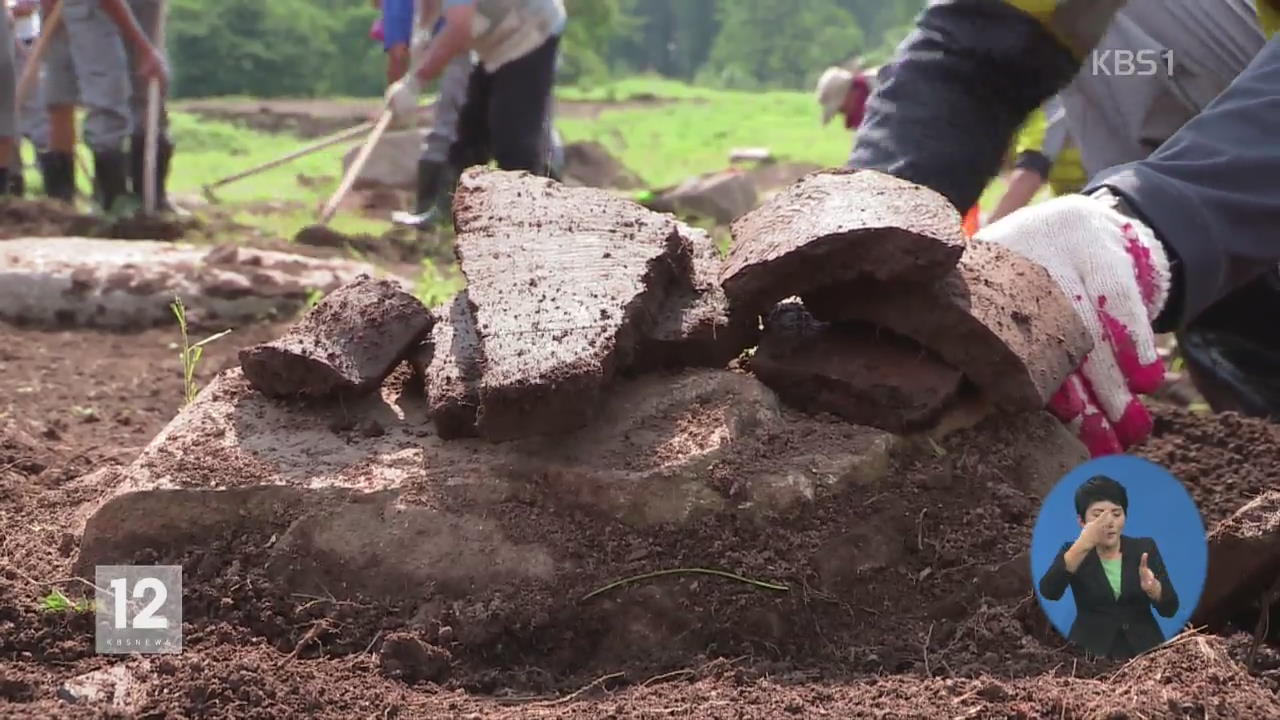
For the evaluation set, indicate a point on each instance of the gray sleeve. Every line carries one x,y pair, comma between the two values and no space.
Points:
8,80
1209,192
945,109
1056,135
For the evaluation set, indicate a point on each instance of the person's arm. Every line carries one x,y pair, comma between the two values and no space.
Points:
151,62
1209,192
428,12
1167,604
1024,182
452,40
962,83
1055,581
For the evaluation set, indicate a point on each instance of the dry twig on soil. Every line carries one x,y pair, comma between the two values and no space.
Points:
685,571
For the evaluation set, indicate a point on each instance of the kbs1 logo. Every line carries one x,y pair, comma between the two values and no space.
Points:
1131,63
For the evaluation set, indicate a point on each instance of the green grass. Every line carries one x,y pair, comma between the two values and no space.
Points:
210,150
662,142
669,142
640,86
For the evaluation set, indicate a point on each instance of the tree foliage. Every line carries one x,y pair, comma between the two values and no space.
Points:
764,43
322,47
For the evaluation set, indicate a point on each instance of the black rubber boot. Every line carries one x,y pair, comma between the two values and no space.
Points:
111,177
431,175
448,184
137,170
1232,351
164,156
436,181
17,183
5,189
59,171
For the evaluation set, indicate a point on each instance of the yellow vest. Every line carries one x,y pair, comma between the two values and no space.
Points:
1067,175
1080,31
1269,17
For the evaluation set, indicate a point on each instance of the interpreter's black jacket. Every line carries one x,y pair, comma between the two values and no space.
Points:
1100,615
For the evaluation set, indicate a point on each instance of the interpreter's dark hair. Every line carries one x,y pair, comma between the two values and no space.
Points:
1097,489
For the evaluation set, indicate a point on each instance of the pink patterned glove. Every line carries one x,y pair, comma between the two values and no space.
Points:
1116,274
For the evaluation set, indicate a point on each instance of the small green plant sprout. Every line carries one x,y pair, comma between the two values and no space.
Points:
57,602
190,354
314,296
433,287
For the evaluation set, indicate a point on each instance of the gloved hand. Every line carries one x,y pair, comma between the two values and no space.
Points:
418,46
402,98
1116,274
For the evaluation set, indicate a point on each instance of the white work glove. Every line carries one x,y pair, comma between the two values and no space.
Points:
1116,274
419,46
402,98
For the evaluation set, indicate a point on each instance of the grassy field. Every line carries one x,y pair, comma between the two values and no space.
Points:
688,131
667,142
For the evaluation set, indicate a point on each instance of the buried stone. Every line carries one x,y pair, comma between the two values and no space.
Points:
374,515
857,372
998,317
838,226
130,284
348,343
503,542
562,284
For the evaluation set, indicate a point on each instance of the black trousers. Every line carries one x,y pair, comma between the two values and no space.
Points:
505,113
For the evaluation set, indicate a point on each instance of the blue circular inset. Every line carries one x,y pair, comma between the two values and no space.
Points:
1160,509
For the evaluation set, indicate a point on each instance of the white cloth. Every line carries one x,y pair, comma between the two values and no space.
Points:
506,30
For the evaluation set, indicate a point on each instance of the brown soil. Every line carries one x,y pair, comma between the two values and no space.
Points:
937,621
47,218
315,117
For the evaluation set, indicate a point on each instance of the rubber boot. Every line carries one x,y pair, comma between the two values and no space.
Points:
164,156
4,182
1232,351
448,183
426,214
59,171
137,170
111,178
430,176
17,183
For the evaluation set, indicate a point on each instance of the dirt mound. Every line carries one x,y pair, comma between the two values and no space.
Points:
770,177
303,117
59,282
313,117
998,658
591,164
50,218
1224,460
398,245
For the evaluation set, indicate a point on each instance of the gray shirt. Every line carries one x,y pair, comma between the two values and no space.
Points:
504,30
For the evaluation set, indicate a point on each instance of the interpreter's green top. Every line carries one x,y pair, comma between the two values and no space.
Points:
1112,568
